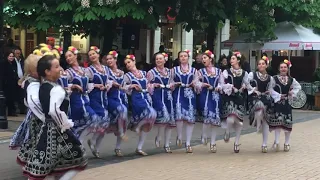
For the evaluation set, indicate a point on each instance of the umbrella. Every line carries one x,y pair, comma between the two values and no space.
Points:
290,36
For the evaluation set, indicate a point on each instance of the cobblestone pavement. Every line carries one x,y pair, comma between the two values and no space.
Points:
302,162
250,151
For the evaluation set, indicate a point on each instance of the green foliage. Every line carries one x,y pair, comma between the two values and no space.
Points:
258,16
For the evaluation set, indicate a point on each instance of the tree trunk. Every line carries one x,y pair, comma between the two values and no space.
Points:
211,35
108,35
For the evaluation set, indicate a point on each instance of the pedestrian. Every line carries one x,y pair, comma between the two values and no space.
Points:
159,88
233,110
58,150
260,100
198,62
19,63
184,79
209,99
285,88
143,115
11,87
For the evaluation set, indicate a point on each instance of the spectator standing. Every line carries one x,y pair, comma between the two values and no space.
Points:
19,65
10,83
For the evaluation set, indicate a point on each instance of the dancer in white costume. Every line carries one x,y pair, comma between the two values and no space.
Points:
260,101
285,87
235,81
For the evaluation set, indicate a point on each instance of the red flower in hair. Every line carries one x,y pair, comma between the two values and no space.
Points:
165,56
95,48
130,56
114,53
237,54
209,53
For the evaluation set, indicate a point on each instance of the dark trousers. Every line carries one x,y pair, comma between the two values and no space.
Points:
11,99
20,100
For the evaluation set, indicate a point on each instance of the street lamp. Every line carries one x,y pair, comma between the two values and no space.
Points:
3,108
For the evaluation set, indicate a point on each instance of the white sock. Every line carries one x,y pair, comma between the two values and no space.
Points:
167,136
120,127
277,136
265,133
82,136
213,134
118,144
204,130
69,175
258,119
98,141
179,129
142,138
237,127
287,137
230,122
160,132
189,130
50,178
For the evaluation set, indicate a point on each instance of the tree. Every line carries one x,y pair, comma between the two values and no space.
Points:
100,17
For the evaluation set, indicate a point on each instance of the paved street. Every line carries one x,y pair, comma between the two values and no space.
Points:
300,163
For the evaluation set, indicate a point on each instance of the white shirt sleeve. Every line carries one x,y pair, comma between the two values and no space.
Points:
33,100
57,95
296,87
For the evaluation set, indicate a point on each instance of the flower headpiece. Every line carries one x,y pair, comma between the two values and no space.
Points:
187,51
237,54
209,53
266,59
50,39
45,49
59,49
165,56
42,45
73,50
37,52
48,53
286,61
95,48
114,53
130,56
56,53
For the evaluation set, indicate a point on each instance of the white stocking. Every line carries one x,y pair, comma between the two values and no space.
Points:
179,129
277,136
118,144
167,136
50,178
287,137
189,130
265,133
230,122
82,135
120,127
237,127
204,130
98,141
69,175
142,138
258,117
160,132
213,134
